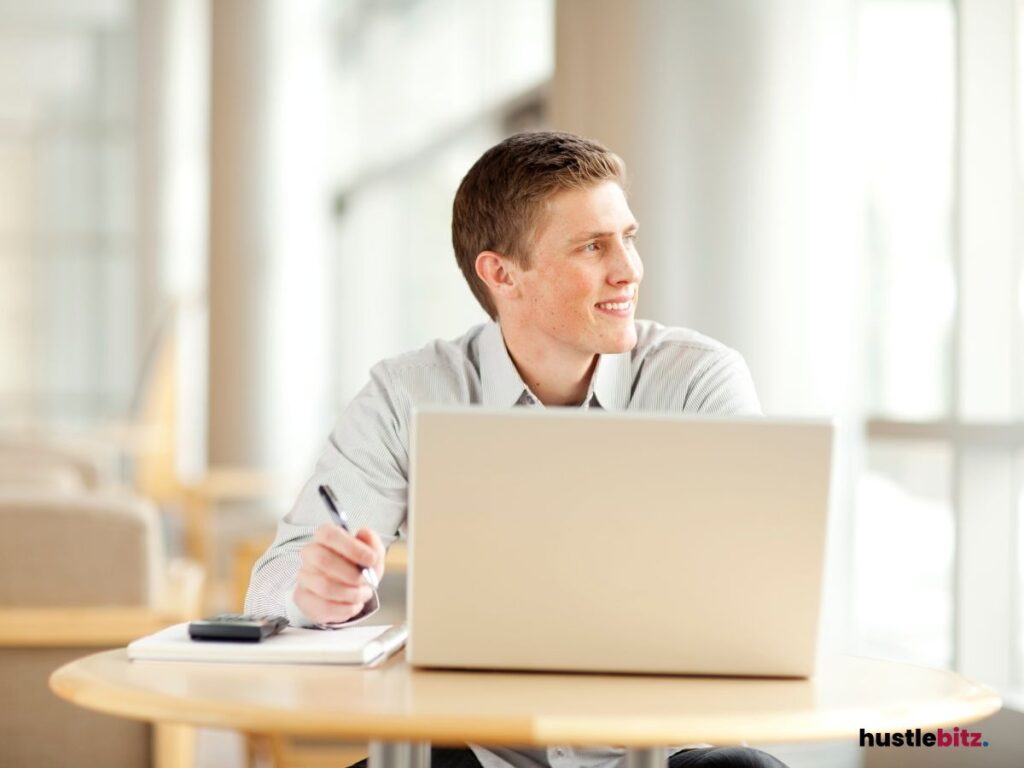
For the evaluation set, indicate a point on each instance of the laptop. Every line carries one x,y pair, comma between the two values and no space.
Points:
587,541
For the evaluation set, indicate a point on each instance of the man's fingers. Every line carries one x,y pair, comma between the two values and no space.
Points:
346,545
332,591
370,537
317,557
324,611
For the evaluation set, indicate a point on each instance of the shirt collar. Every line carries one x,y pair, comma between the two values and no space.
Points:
500,381
613,381
503,386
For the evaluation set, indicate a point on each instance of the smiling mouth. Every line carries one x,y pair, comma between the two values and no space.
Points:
612,306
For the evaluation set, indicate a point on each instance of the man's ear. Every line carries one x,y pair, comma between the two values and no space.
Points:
498,273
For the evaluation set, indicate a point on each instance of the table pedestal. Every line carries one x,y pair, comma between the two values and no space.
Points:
399,754
416,754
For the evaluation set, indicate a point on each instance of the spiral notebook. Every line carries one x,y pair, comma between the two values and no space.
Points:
358,646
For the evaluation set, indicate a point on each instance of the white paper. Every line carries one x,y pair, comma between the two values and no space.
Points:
293,645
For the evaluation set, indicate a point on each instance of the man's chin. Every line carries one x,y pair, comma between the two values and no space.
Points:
624,343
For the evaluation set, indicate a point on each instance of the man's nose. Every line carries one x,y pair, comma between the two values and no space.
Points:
628,267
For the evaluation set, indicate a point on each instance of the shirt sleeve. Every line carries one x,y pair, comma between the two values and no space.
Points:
723,387
365,463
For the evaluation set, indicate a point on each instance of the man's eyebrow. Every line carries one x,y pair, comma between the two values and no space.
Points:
583,236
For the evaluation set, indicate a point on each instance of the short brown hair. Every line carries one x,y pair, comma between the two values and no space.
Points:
497,203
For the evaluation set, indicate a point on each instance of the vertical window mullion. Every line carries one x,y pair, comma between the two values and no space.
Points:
984,343
984,625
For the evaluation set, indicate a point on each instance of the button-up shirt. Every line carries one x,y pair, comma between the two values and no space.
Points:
366,459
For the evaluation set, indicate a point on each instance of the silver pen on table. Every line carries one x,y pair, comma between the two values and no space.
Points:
342,522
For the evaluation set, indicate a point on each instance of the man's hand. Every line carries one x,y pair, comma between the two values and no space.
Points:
330,586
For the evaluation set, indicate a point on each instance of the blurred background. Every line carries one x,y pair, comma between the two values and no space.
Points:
215,215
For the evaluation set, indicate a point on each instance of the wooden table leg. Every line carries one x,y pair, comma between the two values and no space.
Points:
399,754
646,757
259,751
174,745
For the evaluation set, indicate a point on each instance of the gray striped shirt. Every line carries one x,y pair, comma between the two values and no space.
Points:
366,459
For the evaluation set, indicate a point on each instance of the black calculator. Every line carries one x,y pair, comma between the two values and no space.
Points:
237,627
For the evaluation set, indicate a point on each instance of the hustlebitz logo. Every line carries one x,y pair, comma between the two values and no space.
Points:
958,737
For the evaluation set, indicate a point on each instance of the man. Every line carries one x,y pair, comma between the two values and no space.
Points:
546,240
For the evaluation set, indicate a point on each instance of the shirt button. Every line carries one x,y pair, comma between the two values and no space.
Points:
559,752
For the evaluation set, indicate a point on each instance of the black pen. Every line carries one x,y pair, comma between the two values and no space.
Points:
339,519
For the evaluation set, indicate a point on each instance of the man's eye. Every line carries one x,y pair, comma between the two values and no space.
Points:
590,248
631,237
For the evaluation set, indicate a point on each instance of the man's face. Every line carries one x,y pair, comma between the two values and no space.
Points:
579,295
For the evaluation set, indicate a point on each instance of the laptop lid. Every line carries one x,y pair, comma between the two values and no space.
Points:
561,539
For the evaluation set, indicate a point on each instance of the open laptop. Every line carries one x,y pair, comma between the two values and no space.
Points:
572,540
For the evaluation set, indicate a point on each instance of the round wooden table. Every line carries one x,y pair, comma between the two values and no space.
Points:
400,709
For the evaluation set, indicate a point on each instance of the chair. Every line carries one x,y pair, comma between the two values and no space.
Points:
36,461
79,573
25,476
142,450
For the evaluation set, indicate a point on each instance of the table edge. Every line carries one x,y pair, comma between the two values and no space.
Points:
99,695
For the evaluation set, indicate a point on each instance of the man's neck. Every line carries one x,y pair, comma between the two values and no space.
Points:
556,377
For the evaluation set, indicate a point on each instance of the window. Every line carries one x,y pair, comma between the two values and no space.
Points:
903,545
943,188
67,266
904,522
433,96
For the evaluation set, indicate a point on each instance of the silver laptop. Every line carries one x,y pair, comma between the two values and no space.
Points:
588,541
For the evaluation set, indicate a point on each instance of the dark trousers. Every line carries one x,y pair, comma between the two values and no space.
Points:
707,757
